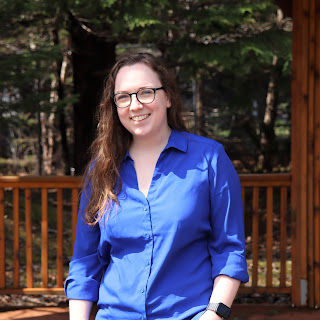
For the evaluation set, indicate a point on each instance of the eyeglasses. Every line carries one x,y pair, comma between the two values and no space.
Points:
145,96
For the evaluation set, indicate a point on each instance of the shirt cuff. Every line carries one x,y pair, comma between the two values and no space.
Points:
230,264
82,288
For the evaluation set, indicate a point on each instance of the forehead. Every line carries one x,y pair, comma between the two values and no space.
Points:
136,76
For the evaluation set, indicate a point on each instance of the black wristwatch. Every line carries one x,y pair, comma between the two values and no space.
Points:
220,309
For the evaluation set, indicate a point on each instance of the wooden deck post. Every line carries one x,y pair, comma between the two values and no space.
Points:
305,151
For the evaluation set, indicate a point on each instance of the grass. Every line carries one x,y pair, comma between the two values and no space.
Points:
262,272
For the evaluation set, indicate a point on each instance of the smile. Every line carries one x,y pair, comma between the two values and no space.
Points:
139,118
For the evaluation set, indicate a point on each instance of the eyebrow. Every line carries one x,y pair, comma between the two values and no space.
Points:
144,87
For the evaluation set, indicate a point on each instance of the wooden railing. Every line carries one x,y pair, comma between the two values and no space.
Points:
266,200
17,278
38,223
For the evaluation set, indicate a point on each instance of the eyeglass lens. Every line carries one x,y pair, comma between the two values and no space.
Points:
123,100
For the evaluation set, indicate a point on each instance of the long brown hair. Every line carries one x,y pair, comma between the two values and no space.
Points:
113,140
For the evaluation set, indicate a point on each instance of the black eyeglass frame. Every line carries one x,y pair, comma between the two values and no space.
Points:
136,93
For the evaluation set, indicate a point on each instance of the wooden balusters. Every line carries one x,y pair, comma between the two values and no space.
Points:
283,236
16,238
255,236
261,189
28,224
74,213
44,237
60,238
2,242
269,236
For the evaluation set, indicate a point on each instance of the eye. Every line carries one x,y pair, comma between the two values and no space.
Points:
120,97
146,92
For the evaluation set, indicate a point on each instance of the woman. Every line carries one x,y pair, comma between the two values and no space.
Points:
160,230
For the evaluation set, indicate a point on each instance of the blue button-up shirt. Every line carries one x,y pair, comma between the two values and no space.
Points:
156,257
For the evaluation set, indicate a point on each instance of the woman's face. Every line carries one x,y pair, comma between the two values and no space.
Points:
142,120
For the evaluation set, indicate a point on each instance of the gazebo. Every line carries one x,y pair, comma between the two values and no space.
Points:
304,184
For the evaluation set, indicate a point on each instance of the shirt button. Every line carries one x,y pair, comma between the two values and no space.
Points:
145,209
142,290
147,235
147,263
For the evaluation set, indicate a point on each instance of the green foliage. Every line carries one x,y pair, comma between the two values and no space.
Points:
232,41
237,37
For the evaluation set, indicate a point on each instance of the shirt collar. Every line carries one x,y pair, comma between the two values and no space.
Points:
176,140
127,155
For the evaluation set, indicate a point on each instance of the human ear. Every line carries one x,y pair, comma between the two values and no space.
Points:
168,98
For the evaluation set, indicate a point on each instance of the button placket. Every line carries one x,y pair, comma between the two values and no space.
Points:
146,211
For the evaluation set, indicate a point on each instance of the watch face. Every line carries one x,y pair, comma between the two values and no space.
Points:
223,311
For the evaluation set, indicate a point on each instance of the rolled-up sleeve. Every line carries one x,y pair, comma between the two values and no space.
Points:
85,269
227,240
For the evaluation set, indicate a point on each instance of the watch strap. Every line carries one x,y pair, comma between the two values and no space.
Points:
220,309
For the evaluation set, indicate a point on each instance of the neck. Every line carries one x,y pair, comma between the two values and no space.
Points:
152,143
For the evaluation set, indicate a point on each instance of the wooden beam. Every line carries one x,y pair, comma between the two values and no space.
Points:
316,170
306,152
299,148
310,153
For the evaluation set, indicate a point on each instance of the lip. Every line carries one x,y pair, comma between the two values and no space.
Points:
140,117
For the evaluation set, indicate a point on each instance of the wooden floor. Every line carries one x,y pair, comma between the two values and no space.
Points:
239,312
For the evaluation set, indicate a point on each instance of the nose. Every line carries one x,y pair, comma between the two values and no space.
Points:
135,103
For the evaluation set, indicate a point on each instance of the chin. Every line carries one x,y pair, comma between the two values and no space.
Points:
141,133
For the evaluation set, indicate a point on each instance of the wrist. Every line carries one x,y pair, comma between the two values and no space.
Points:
219,309
211,315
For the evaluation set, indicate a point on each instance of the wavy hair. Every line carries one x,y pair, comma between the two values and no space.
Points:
113,140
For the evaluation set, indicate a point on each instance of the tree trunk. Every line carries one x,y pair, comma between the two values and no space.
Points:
60,71
51,139
268,145
267,132
200,120
47,139
92,58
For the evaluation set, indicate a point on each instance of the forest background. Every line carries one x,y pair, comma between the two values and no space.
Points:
232,59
